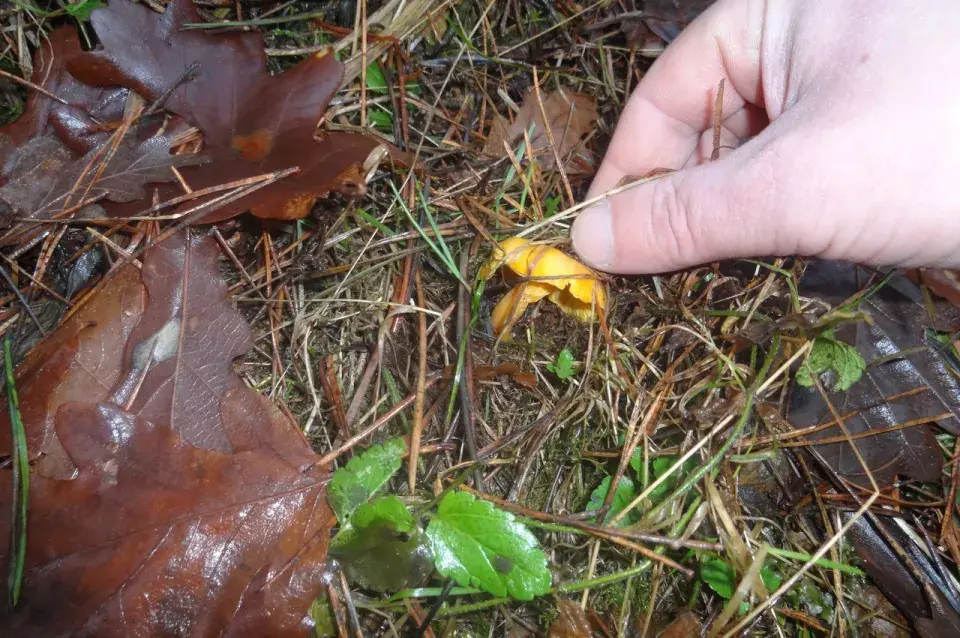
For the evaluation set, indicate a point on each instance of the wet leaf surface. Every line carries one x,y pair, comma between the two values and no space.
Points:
926,604
899,321
43,114
479,545
46,177
383,554
686,625
361,478
571,621
180,501
570,116
253,123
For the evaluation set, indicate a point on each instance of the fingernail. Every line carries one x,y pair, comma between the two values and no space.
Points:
593,235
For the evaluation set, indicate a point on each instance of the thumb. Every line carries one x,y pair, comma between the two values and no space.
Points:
720,210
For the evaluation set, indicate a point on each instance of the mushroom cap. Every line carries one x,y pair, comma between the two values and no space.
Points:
578,287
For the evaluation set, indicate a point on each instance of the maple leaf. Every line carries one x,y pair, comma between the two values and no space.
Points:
193,505
253,123
570,116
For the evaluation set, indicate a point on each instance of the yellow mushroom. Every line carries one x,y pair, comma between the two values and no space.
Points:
547,272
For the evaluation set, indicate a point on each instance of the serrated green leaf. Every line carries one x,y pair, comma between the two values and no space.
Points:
355,484
720,576
476,544
382,558
386,509
830,355
563,368
626,492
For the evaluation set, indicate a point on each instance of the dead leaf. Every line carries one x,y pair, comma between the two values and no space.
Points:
899,319
195,507
928,604
662,22
686,625
80,361
570,117
253,123
45,115
571,622
944,283
46,177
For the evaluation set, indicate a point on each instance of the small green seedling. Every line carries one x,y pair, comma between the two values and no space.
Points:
563,368
471,541
830,355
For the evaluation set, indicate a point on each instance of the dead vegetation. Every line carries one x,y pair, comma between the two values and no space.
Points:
660,454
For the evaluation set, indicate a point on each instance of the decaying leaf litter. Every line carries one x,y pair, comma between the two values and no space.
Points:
640,467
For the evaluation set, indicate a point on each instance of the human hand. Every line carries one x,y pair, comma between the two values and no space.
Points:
856,154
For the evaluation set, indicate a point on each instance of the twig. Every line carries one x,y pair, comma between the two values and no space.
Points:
376,425
421,387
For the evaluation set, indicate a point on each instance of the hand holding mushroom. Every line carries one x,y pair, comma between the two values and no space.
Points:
542,271
844,146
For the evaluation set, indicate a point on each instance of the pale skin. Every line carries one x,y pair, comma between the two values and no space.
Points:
844,122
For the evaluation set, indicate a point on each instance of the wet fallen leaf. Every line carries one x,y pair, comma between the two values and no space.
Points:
927,605
899,319
43,114
573,287
686,625
187,503
571,621
46,177
661,23
253,122
570,117
383,549
945,283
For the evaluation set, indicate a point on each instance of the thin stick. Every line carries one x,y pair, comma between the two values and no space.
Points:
376,425
421,388
31,85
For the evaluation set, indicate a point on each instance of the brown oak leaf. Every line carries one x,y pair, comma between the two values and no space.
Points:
46,177
43,114
195,506
253,122
570,117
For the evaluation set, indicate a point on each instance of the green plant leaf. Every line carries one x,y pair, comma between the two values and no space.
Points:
551,205
377,81
476,544
771,579
386,509
382,548
82,10
626,492
563,368
357,482
830,355
720,576
324,625
381,119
